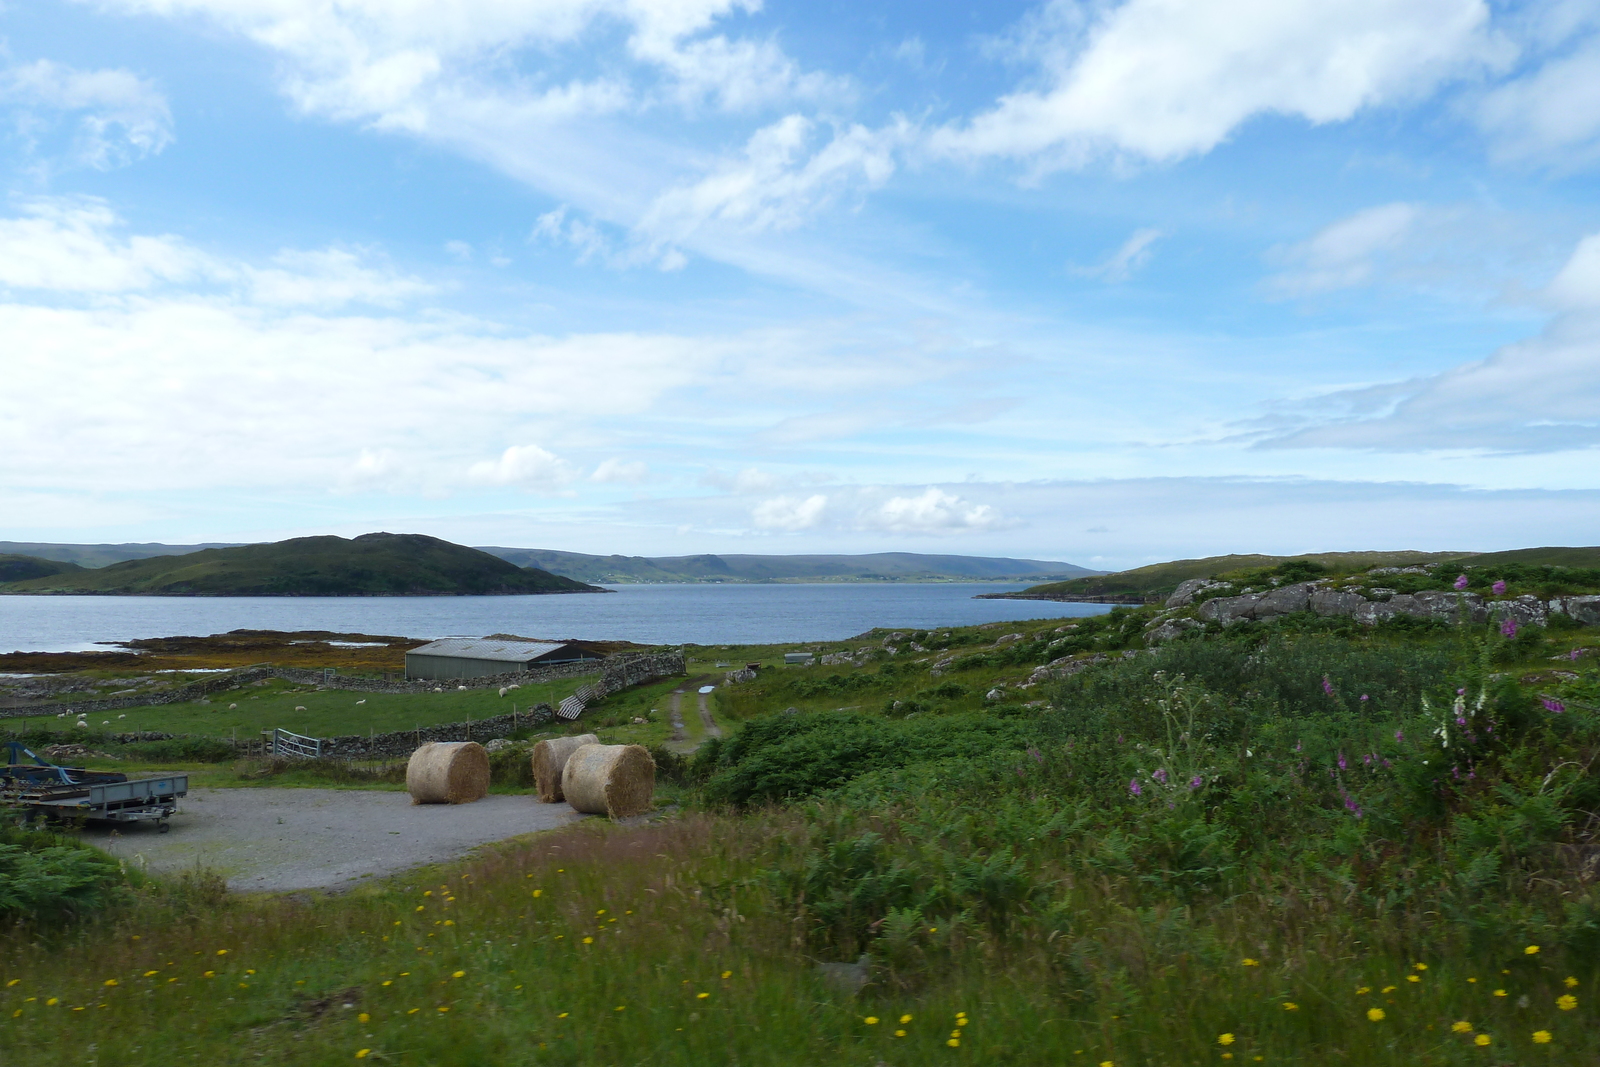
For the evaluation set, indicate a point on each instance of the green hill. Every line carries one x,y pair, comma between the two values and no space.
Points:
375,564
1159,579
1541,557
17,568
740,567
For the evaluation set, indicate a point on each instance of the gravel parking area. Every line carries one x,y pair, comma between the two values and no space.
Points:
286,839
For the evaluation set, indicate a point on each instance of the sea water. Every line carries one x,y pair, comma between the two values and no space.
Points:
702,614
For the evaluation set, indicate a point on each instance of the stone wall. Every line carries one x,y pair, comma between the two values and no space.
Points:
616,673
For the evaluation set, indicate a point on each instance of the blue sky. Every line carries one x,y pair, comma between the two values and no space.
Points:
1100,282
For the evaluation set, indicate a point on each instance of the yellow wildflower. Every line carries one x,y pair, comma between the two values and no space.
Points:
1419,966
1482,1040
1531,950
459,974
151,974
1566,1002
363,1018
1499,992
954,1042
538,892
1290,1005
1375,1014
727,974
1363,991
1224,1039
222,952
1461,1026
588,941
563,1015
701,996
1541,1037
620,1007
871,1020
362,1053
906,1018
1569,982
52,1002
1248,962
111,981
1413,977
899,1033
444,1007
1388,989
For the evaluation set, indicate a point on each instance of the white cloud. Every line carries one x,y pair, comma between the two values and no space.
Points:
1164,79
120,116
331,278
790,513
69,245
1539,395
1552,113
1343,254
1125,261
620,471
459,250
934,511
527,466
777,181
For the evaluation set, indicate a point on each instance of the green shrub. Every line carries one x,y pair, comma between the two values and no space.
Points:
50,877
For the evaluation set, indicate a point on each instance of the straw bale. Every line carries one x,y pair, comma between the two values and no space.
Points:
448,772
550,758
614,780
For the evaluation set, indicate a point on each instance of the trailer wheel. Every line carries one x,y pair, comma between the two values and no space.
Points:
163,825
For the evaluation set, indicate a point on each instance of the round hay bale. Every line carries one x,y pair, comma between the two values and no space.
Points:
448,772
614,780
550,759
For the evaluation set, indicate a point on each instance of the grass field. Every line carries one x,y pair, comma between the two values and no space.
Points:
328,712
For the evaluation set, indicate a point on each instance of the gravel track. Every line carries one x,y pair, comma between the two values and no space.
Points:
278,840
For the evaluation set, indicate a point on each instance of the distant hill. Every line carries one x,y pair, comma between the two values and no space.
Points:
735,567
375,564
103,555
1541,557
1159,579
15,567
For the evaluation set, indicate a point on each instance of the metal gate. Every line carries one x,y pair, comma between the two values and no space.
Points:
287,745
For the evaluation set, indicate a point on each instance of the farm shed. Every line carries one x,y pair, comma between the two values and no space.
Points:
467,657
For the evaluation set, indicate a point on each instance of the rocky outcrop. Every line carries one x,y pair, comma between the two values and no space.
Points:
1187,590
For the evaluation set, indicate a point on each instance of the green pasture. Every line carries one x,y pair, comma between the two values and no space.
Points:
246,711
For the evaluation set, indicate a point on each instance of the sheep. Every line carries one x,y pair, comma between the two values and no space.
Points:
462,688
232,707
299,707
504,690
105,722
63,715
360,702
124,715
80,722
513,687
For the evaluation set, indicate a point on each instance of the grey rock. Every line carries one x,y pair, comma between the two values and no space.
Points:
1007,639
1230,609
1585,609
1188,589
1335,602
994,694
1284,601
1526,609
743,674
1170,629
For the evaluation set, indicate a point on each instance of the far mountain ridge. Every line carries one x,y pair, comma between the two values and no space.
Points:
620,569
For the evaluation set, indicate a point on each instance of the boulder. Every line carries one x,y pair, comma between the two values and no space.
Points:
1528,610
1332,603
1230,609
1170,629
1007,639
1284,601
1188,589
1585,609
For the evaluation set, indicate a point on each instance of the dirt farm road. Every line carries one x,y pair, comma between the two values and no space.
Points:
286,839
